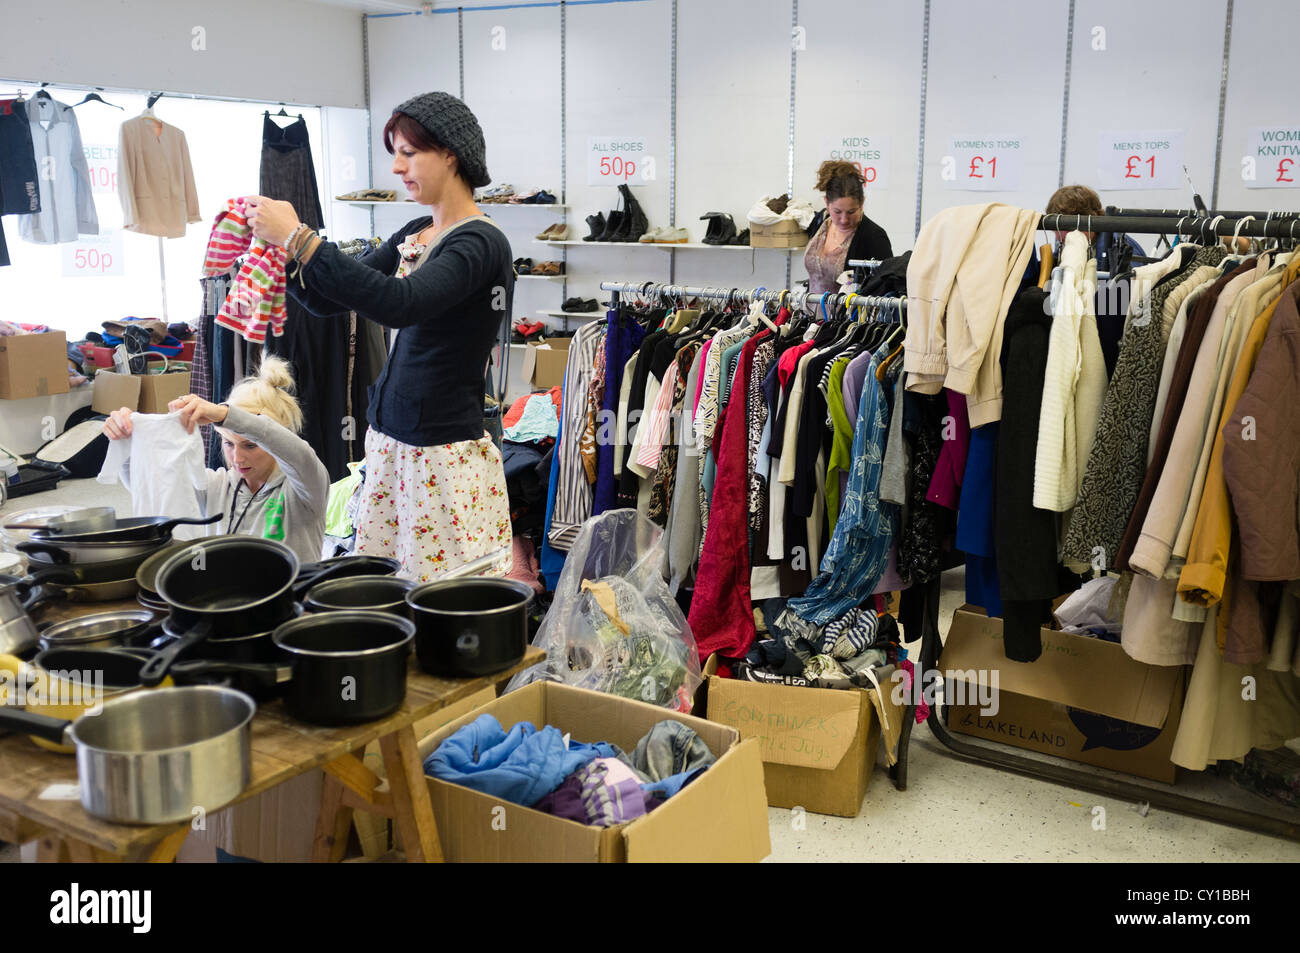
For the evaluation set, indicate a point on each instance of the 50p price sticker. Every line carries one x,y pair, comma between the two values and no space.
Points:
94,256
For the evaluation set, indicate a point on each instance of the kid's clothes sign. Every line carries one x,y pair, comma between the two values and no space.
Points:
1141,160
1272,159
870,154
983,163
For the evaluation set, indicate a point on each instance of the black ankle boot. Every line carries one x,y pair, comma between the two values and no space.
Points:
597,225
721,229
613,222
635,223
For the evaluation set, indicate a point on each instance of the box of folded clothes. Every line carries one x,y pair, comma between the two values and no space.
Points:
1083,699
33,365
819,745
554,773
787,233
147,393
544,362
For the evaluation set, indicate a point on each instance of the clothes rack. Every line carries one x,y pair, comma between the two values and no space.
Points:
795,299
1280,225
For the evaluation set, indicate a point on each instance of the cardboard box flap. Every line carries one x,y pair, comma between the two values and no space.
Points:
737,834
115,390
1074,670
795,726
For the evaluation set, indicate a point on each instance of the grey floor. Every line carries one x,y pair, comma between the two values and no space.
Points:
953,810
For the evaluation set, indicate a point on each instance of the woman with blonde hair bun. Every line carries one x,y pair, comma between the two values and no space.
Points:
273,485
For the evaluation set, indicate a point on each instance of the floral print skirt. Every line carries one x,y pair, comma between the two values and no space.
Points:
434,508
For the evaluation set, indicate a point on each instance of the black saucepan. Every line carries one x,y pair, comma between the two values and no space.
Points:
470,627
340,668
369,593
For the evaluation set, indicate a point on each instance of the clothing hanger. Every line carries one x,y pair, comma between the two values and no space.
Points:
280,114
95,98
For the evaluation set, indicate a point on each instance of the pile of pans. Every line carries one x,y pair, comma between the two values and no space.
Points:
91,555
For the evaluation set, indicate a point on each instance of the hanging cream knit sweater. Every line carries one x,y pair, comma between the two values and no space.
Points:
1075,381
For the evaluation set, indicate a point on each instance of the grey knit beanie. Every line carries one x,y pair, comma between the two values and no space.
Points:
450,121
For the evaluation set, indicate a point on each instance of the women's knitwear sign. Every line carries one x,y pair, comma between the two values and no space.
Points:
256,299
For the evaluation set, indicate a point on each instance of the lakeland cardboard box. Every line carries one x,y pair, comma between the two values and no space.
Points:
1084,699
818,744
33,365
786,233
720,816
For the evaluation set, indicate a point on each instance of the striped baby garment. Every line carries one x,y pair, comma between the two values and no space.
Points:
255,301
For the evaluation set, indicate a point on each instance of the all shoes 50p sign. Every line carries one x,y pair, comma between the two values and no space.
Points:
615,160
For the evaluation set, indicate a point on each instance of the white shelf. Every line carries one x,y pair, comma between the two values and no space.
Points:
369,202
553,206
598,313
598,244
681,246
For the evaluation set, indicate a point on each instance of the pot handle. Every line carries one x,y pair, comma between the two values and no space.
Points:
313,573
166,527
57,554
268,674
155,670
42,726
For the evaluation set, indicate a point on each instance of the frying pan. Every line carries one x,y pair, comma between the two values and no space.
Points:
100,631
134,529
55,550
87,520
152,757
147,574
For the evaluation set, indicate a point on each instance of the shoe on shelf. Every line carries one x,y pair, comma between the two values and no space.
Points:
654,236
542,197
721,228
597,225
741,239
545,234
369,195
613,224
523,266
580,305
634,221
672,236
549,269
560,233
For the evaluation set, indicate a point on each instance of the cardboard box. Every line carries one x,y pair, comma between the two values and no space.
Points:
720,816
33,365
786,233
544,362
818,744
147,393
1084,699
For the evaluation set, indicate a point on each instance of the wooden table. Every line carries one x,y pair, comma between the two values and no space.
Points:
281,748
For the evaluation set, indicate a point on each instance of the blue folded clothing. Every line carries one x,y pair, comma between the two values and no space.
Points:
521,766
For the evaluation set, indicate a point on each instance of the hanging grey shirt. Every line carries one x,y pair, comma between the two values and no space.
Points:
67,205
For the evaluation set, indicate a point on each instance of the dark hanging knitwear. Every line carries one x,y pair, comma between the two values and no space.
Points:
448,312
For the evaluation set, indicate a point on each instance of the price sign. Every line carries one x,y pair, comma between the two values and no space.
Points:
1141,160
1272,159
615,160
870,154
102,162
94,256
983,163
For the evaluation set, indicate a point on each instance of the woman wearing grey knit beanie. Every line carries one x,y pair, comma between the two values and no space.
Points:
435,491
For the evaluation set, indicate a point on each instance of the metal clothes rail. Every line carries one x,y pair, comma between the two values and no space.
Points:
1193,225
1193,213
798,299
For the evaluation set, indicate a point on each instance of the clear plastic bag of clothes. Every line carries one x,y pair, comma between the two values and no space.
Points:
614,627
